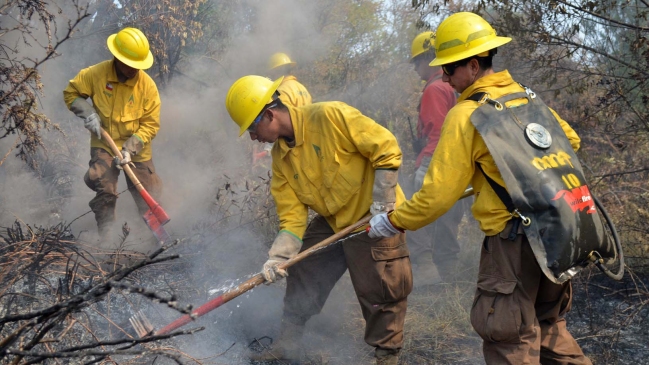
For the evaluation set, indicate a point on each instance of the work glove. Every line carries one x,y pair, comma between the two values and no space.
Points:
421,172
93,124
381,227
384,191
285,247
82,109
133,145
124,160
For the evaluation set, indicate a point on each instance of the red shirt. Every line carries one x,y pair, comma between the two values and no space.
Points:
437,99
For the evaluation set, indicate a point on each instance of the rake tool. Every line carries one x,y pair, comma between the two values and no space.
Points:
143,326
155,217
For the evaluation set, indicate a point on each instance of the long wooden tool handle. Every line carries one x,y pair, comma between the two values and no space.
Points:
258,279
467,193
131,175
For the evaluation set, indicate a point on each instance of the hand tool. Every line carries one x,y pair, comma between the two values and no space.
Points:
155,217
143,326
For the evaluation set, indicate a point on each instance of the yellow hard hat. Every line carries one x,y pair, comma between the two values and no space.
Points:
422,43
279,59
463,35
130,46
247,97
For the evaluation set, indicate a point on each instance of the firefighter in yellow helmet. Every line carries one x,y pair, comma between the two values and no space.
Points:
331,158
520,304
291,92
434,248
125,103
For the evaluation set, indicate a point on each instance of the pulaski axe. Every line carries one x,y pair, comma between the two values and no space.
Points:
155,217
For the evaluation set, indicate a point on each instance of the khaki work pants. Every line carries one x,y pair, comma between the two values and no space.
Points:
102,176
380,273
519,312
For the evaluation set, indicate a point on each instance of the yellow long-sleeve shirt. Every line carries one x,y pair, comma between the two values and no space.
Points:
125,109
453,166
331,166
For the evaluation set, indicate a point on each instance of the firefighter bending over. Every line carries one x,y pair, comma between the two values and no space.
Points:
291,92
331,158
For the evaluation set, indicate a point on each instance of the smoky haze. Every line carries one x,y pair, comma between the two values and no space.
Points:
195,152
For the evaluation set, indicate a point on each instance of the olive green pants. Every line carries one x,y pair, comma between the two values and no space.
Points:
380,273
102,176
518,311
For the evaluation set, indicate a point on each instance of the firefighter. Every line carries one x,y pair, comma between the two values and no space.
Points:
331,158
435,248
291,92
125,103
518,309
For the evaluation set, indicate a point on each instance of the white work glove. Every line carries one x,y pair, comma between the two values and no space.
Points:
82,109
285,247
421,172
125,160
381,227
93,124
384,193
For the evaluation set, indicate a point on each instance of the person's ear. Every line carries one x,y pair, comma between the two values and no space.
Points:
475,65
270,114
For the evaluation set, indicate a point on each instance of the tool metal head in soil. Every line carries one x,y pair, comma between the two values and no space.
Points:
143,326
155,217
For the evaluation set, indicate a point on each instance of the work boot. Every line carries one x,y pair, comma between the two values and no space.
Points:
386,356
425,271
288,346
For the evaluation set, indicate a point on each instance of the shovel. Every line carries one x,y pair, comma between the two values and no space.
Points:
143,326
155,217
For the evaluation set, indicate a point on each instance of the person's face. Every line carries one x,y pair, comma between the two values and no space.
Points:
460,76
421,68
266,130
125,70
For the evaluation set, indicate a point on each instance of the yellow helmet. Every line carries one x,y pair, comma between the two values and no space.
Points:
130,46
422,43
279,59
463,35
247,97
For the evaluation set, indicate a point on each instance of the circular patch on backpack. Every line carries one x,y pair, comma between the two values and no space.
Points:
538,136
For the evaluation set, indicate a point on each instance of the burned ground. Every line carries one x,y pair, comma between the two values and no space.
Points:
63,302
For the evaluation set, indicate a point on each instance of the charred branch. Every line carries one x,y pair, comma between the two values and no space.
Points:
53,294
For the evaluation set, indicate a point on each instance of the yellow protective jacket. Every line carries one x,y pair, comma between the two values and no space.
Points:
292,93
331,167
125,109
453,166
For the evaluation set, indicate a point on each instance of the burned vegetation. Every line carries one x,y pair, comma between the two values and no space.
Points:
64,302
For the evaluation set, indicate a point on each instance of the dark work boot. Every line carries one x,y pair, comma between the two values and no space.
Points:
386,356
288,346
